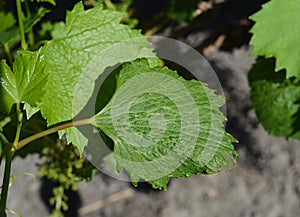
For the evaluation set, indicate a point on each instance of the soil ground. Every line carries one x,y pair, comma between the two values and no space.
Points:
265,182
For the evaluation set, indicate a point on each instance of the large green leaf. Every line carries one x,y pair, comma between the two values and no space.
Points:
164,126
276,34
275,99
25,83
90,41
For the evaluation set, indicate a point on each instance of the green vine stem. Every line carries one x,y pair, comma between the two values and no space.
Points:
9,151
19,126
55,129
17,145
38,45
21,25
110,5
5,184
30,34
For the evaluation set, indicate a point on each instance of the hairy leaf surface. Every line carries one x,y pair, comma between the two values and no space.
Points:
276,34
164,126
25,83
275,99
90,41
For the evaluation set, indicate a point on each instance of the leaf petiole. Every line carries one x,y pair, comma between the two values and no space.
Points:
19,126
21,24
55,129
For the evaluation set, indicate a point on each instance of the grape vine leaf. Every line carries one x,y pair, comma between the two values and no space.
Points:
12,35
280,20
164,126
90,41
25,83
7,21
275,99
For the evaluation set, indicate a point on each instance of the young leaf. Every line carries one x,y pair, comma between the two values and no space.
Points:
25,83
164,126
279,19
90,41
275,99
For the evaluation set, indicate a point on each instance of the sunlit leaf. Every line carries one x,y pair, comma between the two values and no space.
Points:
164,126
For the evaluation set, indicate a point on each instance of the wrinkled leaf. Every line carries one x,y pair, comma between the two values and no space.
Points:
164,126
90,41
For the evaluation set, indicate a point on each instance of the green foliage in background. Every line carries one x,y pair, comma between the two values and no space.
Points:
181,10
274,79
